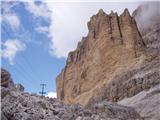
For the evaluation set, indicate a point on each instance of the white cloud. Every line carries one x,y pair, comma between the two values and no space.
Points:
8,16
52,95
12,20
6,6
69,22
38,10
11,48
149,15
42,29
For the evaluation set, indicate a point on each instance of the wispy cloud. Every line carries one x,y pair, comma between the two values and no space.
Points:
9,19
12,20
8,16
38,10
10,48
42,29
52,95
69,22
149,15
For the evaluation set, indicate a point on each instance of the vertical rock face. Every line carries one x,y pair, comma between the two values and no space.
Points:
113,45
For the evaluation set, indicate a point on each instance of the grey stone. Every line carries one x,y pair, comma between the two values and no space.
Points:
19,87
146,103
20,106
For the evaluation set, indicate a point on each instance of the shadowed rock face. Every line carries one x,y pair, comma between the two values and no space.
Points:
6,80
18,105
113,46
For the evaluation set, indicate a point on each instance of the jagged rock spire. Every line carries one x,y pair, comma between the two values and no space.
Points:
112,41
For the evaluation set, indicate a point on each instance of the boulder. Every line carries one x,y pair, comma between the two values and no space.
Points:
19,87
146,103
6,80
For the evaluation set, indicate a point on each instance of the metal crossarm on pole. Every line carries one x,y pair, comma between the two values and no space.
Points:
43,87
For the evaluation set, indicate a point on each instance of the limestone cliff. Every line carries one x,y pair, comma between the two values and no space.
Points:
112,47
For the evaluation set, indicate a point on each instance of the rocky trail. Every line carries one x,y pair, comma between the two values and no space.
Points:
19,105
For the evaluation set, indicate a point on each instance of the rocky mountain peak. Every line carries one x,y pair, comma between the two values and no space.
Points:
113,74
112,44
118,30
126,12
100,12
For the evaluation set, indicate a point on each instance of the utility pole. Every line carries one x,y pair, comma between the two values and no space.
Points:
43,86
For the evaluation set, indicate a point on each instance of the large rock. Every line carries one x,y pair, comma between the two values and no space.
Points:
147,103
112,46
19,87
108,109
114,61
6,80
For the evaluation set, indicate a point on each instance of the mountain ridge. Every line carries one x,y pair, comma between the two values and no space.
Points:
112,44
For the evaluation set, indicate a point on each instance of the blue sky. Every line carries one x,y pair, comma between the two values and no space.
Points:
36,37
32,65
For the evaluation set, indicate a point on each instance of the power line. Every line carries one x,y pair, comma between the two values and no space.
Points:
26,72
30,71
24,59
24,76
29,65
21,68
